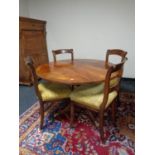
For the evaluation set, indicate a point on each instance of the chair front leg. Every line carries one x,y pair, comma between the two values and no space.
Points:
72,114
41,114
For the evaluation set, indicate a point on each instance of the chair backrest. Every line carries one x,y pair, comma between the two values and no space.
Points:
62,51
30,63
109,88
117,52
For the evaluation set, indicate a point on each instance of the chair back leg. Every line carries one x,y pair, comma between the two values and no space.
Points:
41,114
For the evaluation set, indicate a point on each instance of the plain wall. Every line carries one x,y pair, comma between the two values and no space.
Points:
90,27
23,8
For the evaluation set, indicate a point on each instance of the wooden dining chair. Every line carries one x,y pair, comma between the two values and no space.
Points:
116,53
45,91
62,51
97,97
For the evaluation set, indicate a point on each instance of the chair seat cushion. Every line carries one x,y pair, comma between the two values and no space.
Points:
114,82
91,96
51,91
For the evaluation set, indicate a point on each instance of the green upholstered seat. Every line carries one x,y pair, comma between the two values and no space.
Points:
91,95
52,91
114,82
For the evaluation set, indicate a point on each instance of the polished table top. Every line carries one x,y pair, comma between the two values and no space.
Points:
81,71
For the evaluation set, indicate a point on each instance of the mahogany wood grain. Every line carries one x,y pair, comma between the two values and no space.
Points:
81,71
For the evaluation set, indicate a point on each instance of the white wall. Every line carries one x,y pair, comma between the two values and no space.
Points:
23,8
90,27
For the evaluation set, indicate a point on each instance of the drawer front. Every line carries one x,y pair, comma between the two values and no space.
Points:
31,25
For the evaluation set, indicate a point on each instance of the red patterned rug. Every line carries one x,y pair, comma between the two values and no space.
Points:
57,138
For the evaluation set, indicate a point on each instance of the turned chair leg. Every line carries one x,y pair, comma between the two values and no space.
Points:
41,115
72,114
101,119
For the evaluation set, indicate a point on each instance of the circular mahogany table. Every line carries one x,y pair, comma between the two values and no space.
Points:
81,71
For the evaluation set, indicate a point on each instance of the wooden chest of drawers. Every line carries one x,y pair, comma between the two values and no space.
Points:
32,42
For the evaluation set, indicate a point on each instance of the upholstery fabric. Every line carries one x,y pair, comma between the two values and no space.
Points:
91,95
52,91
114,82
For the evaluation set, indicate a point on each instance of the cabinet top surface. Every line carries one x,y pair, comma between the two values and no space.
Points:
30,19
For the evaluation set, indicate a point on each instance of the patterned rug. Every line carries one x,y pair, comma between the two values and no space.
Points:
57,138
